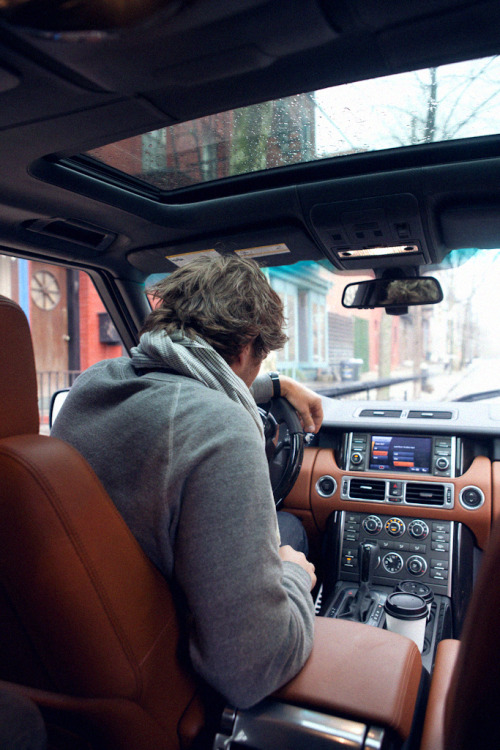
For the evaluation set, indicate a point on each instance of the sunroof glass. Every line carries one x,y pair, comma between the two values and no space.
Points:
437,104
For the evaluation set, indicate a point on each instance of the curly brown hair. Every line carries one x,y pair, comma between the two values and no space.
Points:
226,300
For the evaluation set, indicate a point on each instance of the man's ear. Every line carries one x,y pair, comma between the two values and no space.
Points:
244,355
242,360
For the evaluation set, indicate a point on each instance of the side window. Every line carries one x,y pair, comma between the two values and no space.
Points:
70,327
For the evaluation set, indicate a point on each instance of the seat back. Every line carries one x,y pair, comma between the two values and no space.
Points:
87,623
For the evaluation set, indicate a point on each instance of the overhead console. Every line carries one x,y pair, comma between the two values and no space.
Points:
372,232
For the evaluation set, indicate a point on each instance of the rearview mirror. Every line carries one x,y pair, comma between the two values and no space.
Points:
392,293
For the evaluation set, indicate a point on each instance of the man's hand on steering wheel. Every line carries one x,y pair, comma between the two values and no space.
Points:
307,403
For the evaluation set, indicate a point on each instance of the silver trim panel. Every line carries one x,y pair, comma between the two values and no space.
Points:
345,489
271,724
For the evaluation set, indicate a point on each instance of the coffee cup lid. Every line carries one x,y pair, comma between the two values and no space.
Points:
405,606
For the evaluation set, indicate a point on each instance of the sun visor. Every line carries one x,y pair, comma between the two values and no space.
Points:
275,246
471,226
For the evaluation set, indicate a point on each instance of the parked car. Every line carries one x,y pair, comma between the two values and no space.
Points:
337,143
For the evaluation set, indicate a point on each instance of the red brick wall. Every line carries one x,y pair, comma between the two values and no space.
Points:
91,349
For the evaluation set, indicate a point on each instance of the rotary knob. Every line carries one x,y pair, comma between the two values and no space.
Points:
416,565
356,458
372,525
392,562
395,527
418,529
442,463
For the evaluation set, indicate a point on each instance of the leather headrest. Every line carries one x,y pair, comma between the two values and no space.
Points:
18,387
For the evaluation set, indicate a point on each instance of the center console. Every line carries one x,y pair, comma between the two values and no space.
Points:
416,548
410,550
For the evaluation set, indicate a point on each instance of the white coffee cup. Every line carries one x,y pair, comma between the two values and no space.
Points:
420,589
406,614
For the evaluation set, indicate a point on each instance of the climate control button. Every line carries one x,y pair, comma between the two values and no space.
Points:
392,562
418,529
416,565
395,527
372,525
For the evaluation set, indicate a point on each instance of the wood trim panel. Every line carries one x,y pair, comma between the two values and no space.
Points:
444,666
299,497
495,491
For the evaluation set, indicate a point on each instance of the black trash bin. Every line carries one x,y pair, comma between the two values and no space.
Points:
350,369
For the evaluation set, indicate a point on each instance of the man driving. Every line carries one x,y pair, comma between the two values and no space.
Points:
174,434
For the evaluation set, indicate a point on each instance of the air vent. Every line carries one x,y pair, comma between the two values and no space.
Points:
73,231
425,493
367,489
381,413
430,415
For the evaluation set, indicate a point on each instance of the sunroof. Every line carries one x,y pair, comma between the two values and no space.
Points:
435,104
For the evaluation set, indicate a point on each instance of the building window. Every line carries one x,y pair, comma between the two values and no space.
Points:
318,328
306,314
287,357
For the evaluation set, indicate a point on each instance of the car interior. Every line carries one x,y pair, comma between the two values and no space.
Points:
136,136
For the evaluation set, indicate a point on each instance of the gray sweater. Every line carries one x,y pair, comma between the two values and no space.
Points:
186,468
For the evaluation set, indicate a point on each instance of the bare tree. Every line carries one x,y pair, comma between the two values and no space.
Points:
447,102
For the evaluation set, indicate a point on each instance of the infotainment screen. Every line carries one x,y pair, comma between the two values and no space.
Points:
402,453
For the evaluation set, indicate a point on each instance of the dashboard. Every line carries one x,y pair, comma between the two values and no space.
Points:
421,480
405,459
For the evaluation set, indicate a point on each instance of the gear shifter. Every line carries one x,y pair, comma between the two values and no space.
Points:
368,558
361,604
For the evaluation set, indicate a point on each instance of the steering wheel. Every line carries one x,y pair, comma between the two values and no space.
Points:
284,438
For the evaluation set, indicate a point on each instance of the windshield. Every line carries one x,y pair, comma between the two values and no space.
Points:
461,100
436,352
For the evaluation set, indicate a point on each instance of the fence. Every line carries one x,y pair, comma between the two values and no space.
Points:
50,381
365,386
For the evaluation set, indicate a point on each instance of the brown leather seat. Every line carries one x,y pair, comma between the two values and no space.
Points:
87,624
464,702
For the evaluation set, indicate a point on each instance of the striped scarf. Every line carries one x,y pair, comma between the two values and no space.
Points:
196,359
